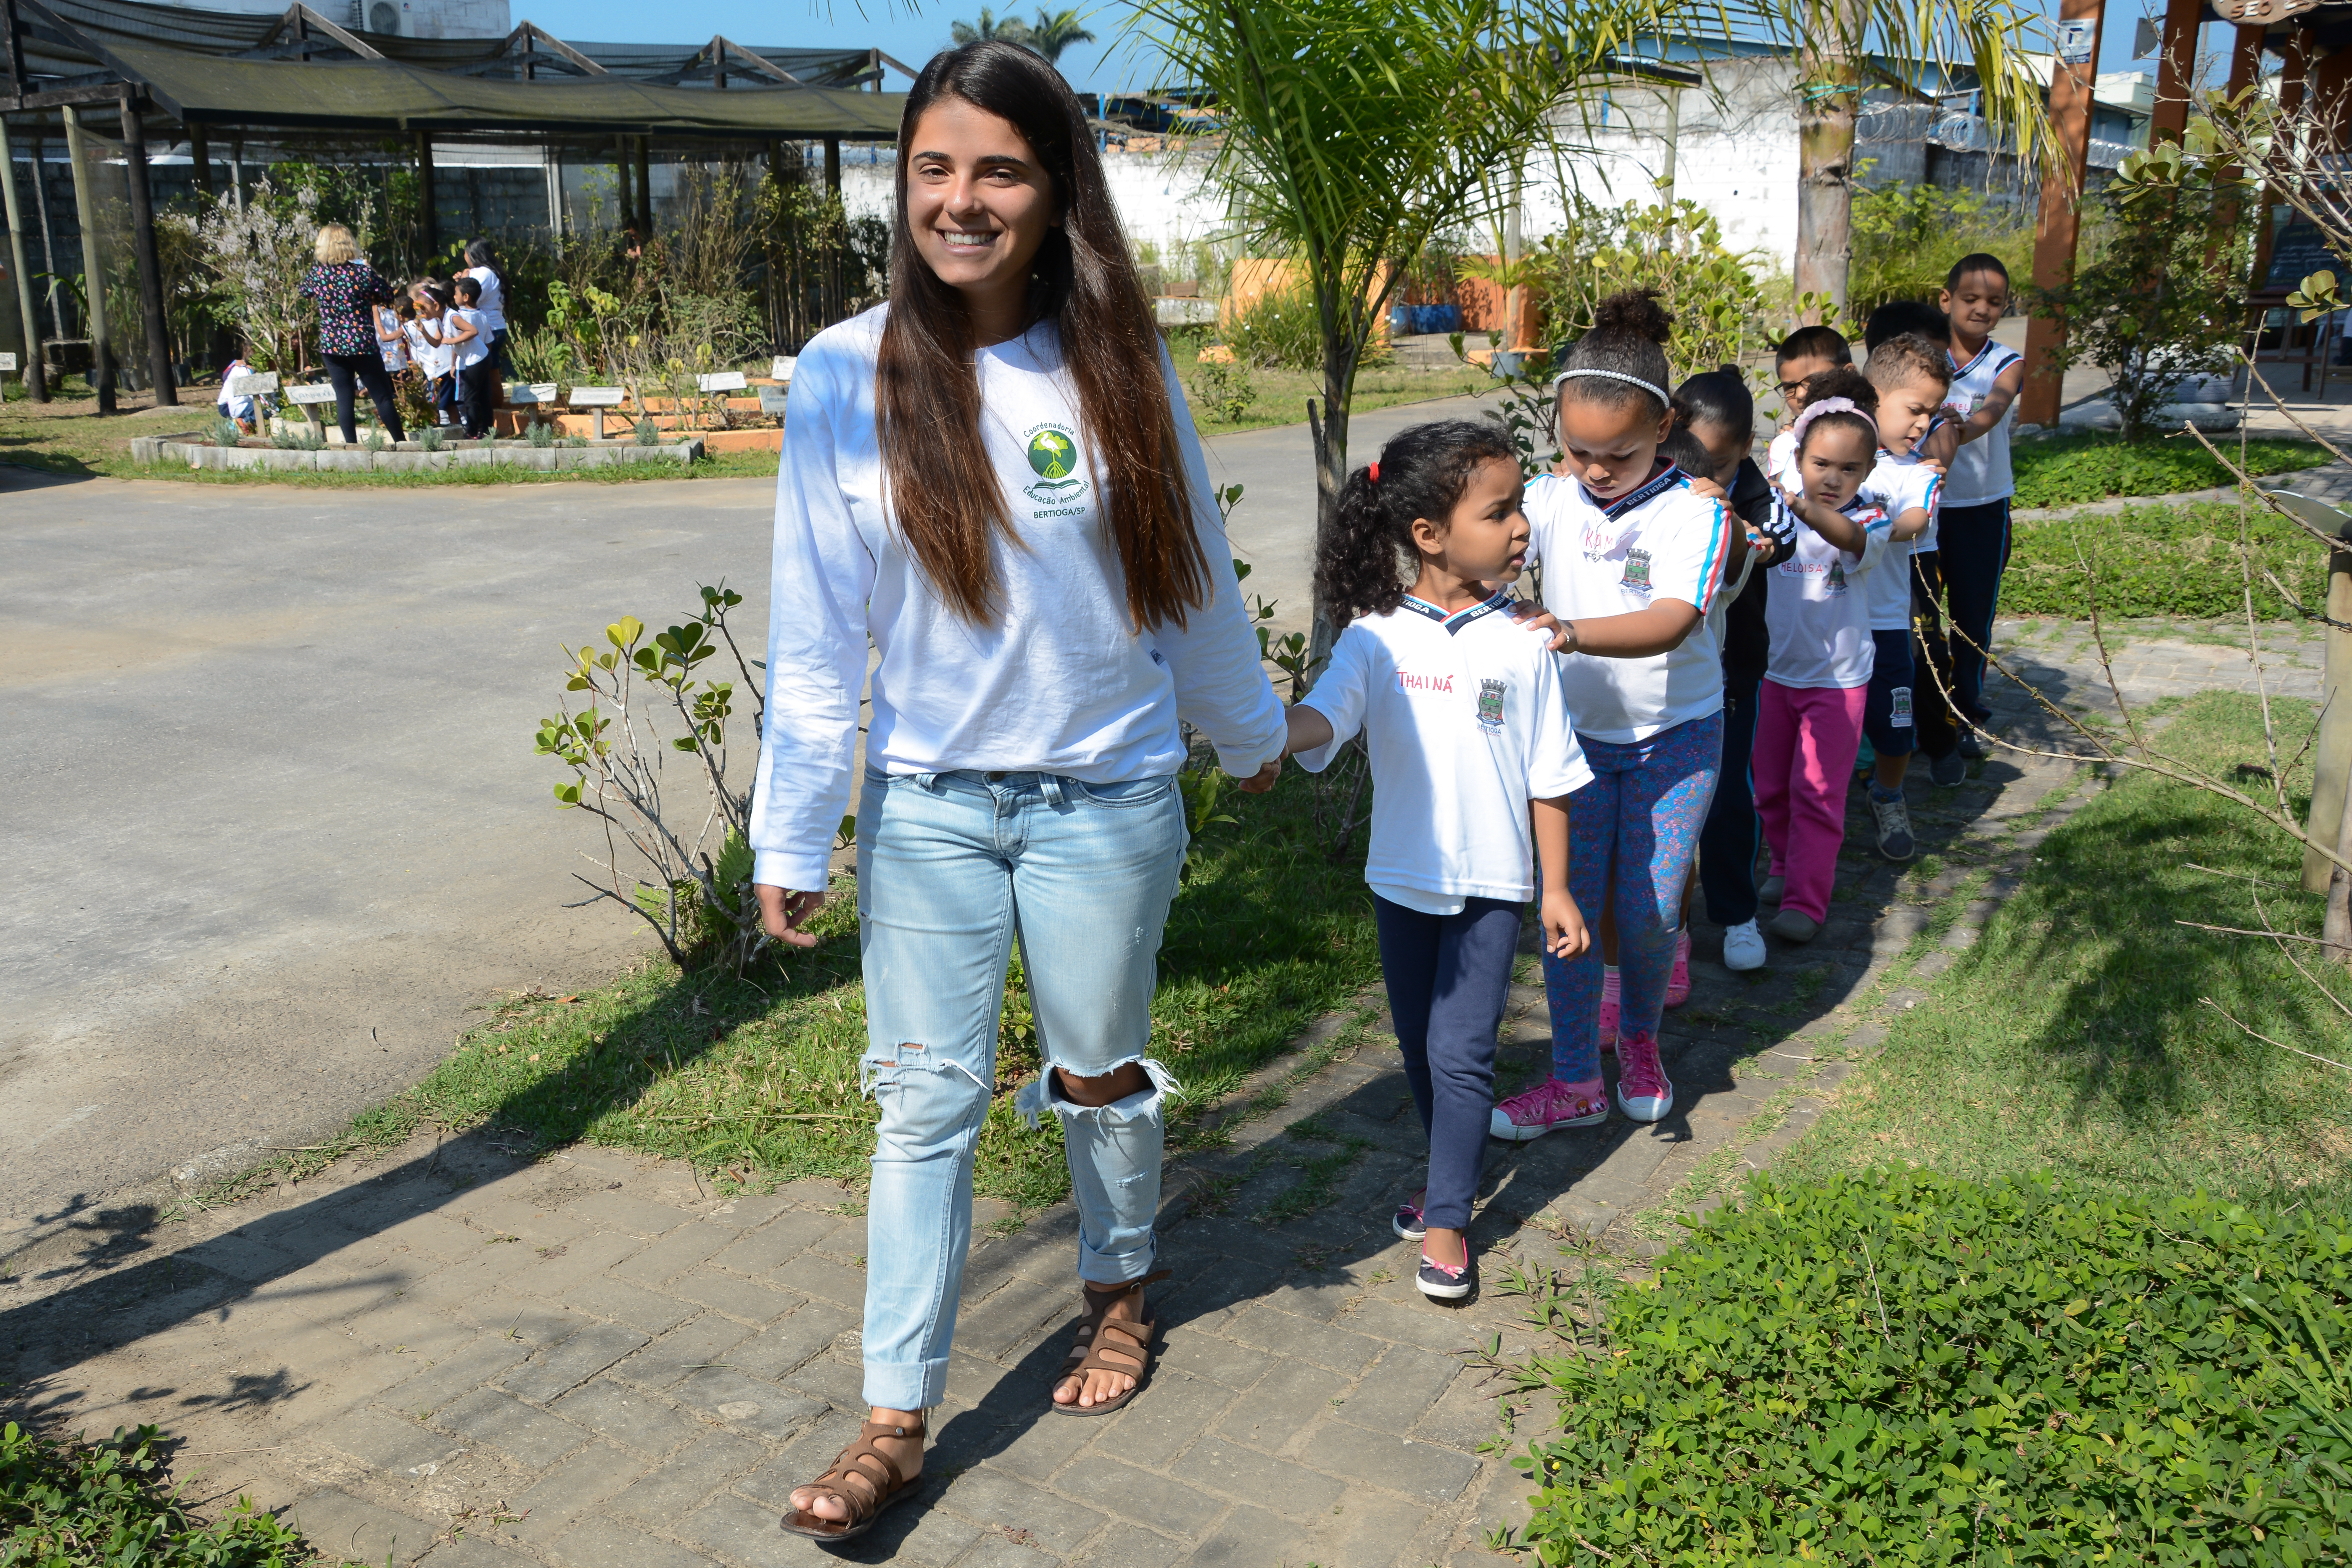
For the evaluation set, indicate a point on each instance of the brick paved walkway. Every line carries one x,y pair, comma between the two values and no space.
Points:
585,1361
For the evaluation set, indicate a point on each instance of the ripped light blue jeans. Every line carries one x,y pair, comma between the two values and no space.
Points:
950,868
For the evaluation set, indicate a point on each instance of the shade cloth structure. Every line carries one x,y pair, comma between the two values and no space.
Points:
389,96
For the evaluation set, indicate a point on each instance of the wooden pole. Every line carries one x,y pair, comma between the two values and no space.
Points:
427,199
93,274
2245,65
2176,66
646,184
142,250
36,370
624,186
2333,750
200,157
2060,223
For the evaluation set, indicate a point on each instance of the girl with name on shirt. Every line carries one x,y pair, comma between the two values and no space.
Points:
1632,560
481,266
434,356
1809,717
1473,763
992,484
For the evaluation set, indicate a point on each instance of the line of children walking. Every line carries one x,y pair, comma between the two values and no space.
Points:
1692,600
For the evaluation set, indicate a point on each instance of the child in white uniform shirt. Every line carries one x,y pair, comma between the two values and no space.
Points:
1472,761
1633,560
1808,714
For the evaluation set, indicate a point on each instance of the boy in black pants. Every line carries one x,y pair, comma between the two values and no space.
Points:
475,397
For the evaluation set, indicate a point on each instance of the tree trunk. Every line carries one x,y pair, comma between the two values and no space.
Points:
1329,431
2335,929
1830,98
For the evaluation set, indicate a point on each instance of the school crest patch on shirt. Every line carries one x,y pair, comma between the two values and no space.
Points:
1637,569
1835,581
1490,704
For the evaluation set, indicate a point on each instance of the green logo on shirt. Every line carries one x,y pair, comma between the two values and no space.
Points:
1053,457
1053,453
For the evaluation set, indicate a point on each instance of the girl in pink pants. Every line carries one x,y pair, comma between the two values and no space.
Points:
1808,714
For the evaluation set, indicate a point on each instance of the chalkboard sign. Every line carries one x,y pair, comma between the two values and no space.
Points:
248,382
310,394
723,381
772,400
2296,253
597,396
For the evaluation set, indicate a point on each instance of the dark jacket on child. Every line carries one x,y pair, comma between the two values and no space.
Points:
1745,645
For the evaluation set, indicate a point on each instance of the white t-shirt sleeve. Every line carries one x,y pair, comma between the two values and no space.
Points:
824,576
1222,687
1556,764
1342,694
1687,564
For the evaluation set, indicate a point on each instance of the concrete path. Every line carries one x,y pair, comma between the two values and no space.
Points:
463,1354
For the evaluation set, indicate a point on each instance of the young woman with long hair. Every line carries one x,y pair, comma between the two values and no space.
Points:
994,480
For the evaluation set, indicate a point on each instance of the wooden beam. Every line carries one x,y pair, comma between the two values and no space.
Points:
301,22
93,269
2060,223
143,251
532,38
37,369
2176,65
761,63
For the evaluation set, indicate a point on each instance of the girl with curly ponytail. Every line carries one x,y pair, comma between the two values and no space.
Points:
1473,762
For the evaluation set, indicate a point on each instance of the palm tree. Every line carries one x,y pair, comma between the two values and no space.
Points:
1055,31
1010,30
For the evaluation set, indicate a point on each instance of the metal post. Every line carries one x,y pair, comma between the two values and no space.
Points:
93,274
36,370
200,157
236,170
427,199
2061,218
833,165
554,190
142,250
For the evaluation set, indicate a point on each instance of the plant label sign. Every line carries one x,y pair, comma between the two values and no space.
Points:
310,394
771,400
722,380
782,369
597,396
7,361
524,393
251,381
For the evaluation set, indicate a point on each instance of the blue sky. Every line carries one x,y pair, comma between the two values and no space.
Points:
913,36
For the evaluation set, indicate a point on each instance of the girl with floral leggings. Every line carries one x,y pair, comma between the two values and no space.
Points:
1633,559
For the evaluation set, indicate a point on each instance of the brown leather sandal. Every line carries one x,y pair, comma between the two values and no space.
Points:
1106,1344
875,1481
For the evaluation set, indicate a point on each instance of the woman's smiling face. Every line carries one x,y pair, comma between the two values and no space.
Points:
978,203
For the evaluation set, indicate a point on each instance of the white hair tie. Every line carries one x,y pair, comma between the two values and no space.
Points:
1651,388
1831,405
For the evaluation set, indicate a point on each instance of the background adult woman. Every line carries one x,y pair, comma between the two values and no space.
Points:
994,477
348,290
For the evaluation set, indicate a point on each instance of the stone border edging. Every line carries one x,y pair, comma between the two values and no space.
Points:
172,449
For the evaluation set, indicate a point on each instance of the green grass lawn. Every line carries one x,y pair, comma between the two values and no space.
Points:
2159,560
2076,1037
1279,396
2056,470
756,1081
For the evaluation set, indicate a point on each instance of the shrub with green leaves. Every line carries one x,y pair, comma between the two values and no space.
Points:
1909,1369
105,1505
1280,330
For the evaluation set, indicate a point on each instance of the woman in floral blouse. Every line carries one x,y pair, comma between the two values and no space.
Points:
348,290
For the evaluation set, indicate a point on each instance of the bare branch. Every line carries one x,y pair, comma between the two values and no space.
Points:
2265,1039
2287,412
2299,607
2264,916
2241,930
2244,876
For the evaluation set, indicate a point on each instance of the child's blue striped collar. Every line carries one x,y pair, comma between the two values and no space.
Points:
1649,489
1501,600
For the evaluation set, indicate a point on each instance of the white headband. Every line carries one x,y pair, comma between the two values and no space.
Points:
1830,405
1651,388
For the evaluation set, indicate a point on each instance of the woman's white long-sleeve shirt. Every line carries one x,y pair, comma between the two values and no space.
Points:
1060,683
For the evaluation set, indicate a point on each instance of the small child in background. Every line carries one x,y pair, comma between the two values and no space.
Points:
1472,761
391,325
1718,415
1810,713
425,343
1907,373
1973,533
237,408
481,266
1803,355
468,333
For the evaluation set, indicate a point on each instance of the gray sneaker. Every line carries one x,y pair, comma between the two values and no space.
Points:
1894,818
1795,926
1770,893
1947,770
1972,747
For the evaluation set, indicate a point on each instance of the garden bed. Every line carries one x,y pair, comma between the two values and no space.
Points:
197,451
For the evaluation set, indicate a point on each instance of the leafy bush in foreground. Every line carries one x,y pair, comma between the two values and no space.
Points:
103,1505
1909,1369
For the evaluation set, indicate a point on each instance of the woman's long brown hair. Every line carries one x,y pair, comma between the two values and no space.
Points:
948,497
